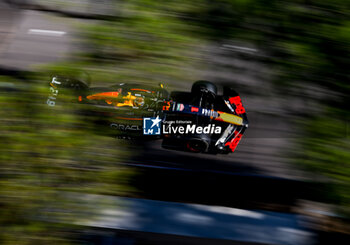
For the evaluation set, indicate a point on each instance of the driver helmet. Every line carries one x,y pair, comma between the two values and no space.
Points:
139,101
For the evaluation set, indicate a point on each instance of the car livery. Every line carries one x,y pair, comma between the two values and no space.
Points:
214,123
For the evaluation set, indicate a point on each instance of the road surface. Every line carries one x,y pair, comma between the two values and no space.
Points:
30,39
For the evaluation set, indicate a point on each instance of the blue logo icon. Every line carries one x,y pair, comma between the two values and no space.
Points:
151,125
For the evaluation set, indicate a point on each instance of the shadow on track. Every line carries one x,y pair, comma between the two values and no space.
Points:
198,178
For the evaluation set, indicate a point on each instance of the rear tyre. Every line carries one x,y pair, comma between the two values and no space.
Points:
197,144
203,86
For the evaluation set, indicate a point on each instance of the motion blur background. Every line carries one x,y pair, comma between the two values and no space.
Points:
288,59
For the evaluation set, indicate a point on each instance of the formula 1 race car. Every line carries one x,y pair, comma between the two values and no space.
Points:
196,121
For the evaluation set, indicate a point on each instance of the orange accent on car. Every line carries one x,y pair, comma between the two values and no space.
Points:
144,90
108,97
166,107
103,96
129,100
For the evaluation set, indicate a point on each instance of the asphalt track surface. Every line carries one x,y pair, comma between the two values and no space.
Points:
32,38
258,175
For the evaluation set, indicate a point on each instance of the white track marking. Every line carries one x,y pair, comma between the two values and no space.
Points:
46,32
239,48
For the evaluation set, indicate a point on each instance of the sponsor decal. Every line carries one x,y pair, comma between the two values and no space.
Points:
230,118
194,109
180,107
125,127
151,125
238,103
234,141
209,113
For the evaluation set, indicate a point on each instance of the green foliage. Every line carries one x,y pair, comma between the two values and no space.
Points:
44,153
326,150
151,45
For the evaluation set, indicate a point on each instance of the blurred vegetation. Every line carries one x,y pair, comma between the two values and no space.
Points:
148,44
326,150
44,152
